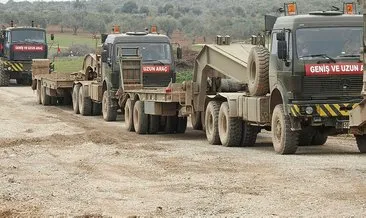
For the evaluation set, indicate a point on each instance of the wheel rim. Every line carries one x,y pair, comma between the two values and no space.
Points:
136,117
253,72
278,130
224,124
210,123
105,105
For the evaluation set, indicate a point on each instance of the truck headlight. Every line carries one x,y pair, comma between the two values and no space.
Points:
309,110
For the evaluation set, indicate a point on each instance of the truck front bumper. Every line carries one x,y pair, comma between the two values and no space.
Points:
326,115
17,67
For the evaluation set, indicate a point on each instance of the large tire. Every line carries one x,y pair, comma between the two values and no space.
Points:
39,86
4,78
129,115
212,122
361,143
258,71
319,138
85,102
230,128
171,124
140,119
249,135
285,141
109,111
75,98
154,124
306,136
45,99
196,120
181,124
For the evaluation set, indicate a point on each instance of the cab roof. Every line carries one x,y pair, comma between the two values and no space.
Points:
24,28
318,19
136,37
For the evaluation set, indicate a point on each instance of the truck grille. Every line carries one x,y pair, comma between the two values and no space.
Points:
28,56
335,86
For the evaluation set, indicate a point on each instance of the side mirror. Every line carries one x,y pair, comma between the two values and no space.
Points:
281,36
282,50
105,56
103,37
52,36
179,53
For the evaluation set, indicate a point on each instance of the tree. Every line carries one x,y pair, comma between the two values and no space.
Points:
167,24
78,13
144,10
130,7
94,24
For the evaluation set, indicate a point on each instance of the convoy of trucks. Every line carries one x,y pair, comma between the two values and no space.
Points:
18,46
301,84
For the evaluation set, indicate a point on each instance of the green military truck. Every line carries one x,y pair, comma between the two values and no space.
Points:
18,46
358,115
301,85
93,89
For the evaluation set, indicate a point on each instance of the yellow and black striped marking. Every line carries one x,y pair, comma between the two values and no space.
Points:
326,110
17,67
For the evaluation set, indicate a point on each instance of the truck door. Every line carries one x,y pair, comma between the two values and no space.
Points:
280,70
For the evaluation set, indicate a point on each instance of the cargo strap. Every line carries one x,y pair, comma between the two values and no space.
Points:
17,67
326,110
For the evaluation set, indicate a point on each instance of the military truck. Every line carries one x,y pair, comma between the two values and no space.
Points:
18,46
94,88
358,115
300,85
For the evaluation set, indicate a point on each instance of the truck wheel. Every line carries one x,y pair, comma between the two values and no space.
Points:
129,115
258,71
249,135
85,103
181,124
319,138
196,120
171,124
284,140
109,112
212,122
75,98
140,119
97,109
154,124
45,99
361,143
39,100
306,136
4,78
230,128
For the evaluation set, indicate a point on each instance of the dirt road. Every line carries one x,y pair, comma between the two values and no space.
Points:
55,163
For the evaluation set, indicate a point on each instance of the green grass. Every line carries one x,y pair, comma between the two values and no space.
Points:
184,75
67,40
68,64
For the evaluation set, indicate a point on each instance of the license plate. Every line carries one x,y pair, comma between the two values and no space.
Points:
343,125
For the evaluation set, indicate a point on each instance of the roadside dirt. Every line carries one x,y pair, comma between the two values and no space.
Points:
55,163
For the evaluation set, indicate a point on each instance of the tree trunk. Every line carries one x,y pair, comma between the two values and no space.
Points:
75,30
62,28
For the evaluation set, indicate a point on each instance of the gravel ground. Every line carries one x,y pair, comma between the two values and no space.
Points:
55,163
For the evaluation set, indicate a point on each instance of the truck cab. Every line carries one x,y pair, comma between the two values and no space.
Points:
315,71
18,46
157,57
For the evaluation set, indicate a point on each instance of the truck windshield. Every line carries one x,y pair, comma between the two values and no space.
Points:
150,51
332,42
28,36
